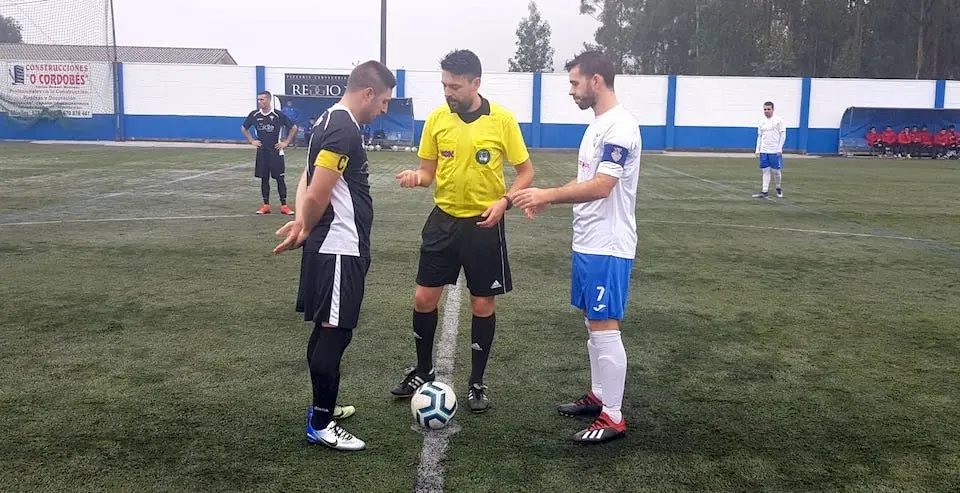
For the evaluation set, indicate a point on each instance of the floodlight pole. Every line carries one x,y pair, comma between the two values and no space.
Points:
117,86
383,32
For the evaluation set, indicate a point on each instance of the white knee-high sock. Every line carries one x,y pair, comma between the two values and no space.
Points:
612,366
595,385
778,177
766,180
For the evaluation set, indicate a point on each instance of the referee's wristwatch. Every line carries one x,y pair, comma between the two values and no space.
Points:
509,202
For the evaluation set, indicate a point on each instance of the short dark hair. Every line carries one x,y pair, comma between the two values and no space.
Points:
372,74
594,63
462,62
265,93
770,104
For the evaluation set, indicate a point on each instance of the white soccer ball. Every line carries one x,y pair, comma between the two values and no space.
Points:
413,149
433,405
376,147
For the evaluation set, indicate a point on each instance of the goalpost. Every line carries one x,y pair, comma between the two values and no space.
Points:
62,74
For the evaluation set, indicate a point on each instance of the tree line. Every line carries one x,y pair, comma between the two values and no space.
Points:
814,38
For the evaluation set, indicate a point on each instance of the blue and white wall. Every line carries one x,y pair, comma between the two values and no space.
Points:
562,123
201,102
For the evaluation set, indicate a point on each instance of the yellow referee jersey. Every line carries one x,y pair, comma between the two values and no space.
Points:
470,156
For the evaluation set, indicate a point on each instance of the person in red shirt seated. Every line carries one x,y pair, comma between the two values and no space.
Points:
941,143
873,141
904,142
916,147
955,142
926,142
889,140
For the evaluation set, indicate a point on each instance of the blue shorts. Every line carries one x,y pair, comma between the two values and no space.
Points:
774,161
600,285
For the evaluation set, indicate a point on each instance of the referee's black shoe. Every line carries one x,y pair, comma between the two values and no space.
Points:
411,382
477,398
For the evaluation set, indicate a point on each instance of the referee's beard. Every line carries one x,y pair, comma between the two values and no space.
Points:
458,106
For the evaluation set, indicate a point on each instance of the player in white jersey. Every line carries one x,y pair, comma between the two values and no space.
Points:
771,135
604,238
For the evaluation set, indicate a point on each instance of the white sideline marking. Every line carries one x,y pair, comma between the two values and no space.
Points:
127,219
791,230
688,175
430,470
171,182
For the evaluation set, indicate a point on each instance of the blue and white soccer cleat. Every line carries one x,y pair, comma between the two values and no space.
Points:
332,436
761,195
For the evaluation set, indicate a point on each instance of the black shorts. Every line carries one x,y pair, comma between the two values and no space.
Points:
269,160
451,243
331,288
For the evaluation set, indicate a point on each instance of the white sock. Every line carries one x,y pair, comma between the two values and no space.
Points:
778,175
612,366
766,180
595,385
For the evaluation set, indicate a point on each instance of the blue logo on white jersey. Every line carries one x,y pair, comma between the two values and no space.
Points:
613,153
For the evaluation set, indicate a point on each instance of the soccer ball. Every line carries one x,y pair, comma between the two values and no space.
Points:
413,149
376,147
433,405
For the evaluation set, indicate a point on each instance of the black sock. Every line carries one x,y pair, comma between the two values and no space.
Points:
328,347
282,189
424,329
265,188
481,336
312,345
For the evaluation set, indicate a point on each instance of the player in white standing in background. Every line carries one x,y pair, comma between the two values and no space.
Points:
771,135
604,238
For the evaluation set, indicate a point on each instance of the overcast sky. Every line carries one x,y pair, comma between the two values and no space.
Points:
316,33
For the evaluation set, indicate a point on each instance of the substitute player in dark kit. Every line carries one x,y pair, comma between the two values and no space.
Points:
270,148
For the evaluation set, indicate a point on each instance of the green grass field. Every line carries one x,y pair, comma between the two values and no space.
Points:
804,344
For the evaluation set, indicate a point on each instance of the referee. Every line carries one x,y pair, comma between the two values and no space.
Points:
270,148
463,149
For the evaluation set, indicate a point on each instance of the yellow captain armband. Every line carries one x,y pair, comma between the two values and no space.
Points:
332,161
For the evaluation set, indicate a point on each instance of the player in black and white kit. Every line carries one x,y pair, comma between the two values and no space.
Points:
268,124
334,218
